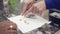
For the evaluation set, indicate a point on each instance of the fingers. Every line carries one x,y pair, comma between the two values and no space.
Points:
30,10
34,10
26,7
37,8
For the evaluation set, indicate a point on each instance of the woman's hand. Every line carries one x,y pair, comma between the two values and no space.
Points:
36,8
27,4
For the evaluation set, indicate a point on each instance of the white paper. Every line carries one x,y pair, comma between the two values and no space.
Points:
28,24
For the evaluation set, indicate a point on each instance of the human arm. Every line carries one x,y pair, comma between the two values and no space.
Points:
43,5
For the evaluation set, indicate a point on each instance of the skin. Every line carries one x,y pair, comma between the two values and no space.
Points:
26,5
36,8
5,27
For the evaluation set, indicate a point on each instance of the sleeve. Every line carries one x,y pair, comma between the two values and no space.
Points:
52,4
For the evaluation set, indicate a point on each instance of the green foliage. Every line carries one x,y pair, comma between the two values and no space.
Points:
13,4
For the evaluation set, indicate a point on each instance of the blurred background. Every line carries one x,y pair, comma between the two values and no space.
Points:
9,8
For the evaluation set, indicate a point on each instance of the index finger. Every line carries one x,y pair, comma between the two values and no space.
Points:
30,10
24,8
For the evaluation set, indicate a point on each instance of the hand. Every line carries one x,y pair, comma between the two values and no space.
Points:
5,27
36,8
27,4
